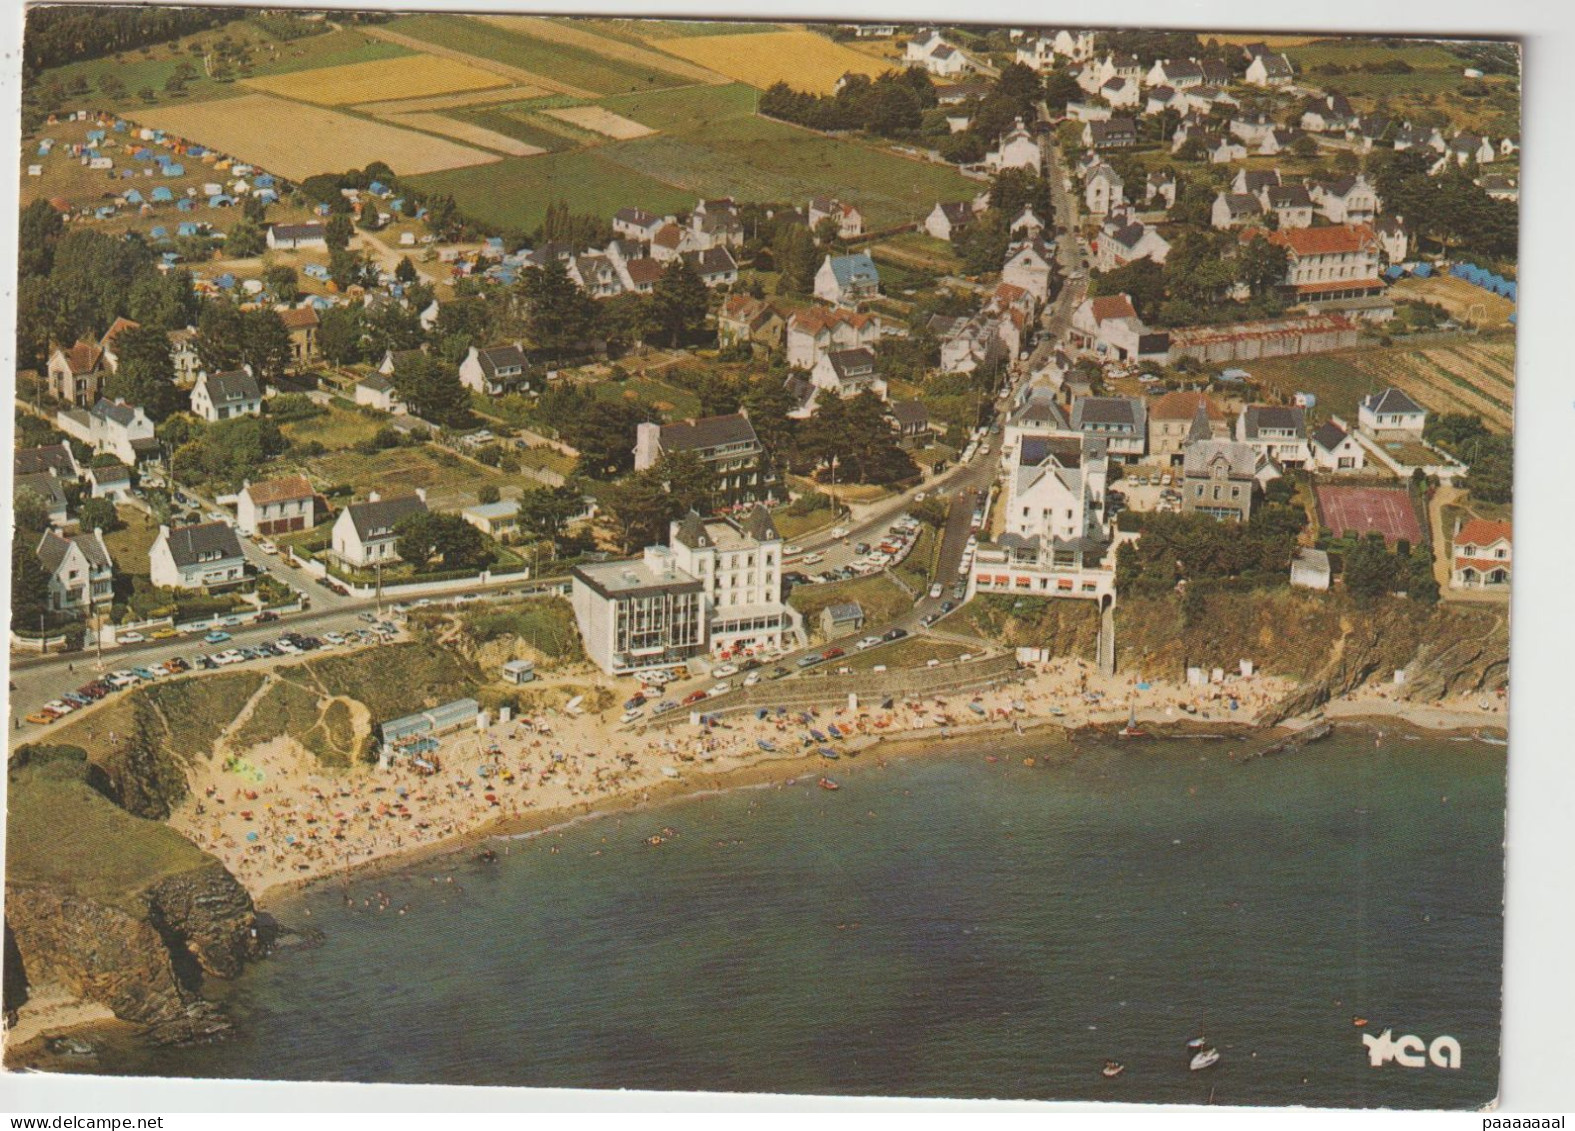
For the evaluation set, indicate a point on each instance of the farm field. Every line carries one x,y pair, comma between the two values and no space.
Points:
303,140
685,109
336,48
918,251
574,33
804,59
600,120
1471,375
514,194
523,128
574,70
493,96
470,132
760,159
411,76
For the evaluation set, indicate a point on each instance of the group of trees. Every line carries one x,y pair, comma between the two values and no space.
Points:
890,105
73,285
1369,570
224,453
58,35
1198,548
1198,278
1490,456
1449,209
432,540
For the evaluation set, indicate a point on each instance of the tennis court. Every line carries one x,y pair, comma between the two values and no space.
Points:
1387,510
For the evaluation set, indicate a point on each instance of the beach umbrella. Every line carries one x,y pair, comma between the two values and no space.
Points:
251,836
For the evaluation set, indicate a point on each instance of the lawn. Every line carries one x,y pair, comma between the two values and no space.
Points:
449,481
917,250
128,547
916,567
669,400
573,66
880,597
338,427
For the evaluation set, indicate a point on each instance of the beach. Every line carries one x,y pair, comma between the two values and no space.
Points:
278,819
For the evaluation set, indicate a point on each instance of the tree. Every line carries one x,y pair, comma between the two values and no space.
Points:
29,582
406,272
164,301
854,433
1142,280
793,251
560,314
264,344
254,210
640,509
1016,189
98,514
244,240
38,231
1060,88
339,335
890,108
145,374
337,232
487,494
768,403
346,269
546,510
1261,266
603,431
983,243
1369,568
91,278
30,514
219,332
432,389
427,536
282,282
679,301
689,482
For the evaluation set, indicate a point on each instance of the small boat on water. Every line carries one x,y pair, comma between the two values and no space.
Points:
767,745
1132,730
1483,736
1359,1022
1197,1042
1204,1058
827,783
1112,1069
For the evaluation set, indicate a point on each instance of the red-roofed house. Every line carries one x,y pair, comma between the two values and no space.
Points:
1481,550
1338,261
76,375
276,506
1110,325
811,333
302,323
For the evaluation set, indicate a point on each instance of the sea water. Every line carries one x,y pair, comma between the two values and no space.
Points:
954,923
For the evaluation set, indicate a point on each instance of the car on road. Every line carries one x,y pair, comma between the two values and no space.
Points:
287,647
779,672
147,674
722,688
840,532
895,634
42,718
833,654
789,550
947,606
959,591
334,638
267,547
867,642
810,660
216,637
368,616
165,633
176,665
929,619
936,590
813,559
751,679
693,697
130,638
59,707
630,715
724,670
206,662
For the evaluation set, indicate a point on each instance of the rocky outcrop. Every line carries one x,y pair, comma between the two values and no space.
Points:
208,914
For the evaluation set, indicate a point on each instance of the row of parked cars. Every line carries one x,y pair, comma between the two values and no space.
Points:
94,690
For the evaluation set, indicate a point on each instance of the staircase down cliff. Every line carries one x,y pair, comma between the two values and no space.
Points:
117,909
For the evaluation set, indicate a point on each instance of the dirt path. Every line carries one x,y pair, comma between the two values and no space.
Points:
513,74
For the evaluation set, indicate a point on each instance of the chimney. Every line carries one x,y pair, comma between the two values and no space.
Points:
373,496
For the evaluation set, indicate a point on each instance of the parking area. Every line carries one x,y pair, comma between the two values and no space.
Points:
1147,488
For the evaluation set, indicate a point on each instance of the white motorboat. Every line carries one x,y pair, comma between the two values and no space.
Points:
1204,1058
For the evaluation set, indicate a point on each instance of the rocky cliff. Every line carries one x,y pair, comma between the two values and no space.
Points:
117,909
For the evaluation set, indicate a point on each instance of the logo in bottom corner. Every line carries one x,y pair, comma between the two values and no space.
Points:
1411,1052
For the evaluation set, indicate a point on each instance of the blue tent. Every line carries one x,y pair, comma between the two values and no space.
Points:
1394,271
187,229
120,126
266,196
186,204
170,257
397,204
378,188
95,136
43,151
174,170
142,154
263,180
104,212
160,232
1512,291
133,196
196,151
220,200
1423,271
225,281
162,195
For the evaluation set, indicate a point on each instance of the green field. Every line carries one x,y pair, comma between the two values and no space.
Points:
332,49
514,194
572,65
655,30
339,427
1359,52
448,480
510,123
879,596
686,109
674,403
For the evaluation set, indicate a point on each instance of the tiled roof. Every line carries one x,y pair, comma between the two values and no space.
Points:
1336,239
192,544
1483,532
708,432
1391,401
284,489
374,520
1183,406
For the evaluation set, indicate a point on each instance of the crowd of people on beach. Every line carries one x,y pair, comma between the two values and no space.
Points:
276,816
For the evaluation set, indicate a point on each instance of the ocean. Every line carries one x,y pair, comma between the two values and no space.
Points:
945,925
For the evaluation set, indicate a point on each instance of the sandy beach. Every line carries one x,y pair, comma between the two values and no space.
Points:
278,819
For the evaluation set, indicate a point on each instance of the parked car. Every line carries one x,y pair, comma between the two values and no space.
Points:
725,670
810,660
867,642
896,634
130,638
636,700
42,717
722,688
779,671
165,633
936,590
833,653
751,679
216,637
630,715
334,638
267,547
693,697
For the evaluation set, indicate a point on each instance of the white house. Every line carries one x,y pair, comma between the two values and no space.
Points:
1276,431
297,237
946,220
848,373
494,370
1482,553
937,56
1346,200
206,556
1030,264
1235,210
811,333
377,391
1390,411
363,534
1335,449
224,396
1120,244
1109,325
81,573
845,280
1103,190
849,220
1016,149
1269,70
276,506
113,426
